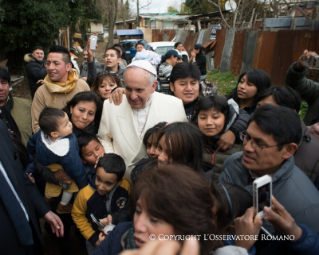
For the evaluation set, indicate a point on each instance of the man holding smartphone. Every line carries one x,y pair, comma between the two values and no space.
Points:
269,145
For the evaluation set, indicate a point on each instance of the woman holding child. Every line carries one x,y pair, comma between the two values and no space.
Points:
84,111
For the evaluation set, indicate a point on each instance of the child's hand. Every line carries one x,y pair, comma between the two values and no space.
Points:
31,178
97,160
106,221
101,238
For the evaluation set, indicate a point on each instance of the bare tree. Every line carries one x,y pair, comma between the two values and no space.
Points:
113,6
140,4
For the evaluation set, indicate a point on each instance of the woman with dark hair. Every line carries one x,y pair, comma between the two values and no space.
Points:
170,200
104,83
84,111
181,51
249,85
181,142
124,58
214,115
198,57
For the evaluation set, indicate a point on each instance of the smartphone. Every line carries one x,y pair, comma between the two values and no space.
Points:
313,62
93,42
262,193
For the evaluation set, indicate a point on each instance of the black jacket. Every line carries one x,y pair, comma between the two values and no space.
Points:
31,198
35,71
201,62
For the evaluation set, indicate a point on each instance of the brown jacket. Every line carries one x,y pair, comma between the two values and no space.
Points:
43,98
307,155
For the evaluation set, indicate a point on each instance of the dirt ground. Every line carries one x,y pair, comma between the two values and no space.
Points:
51,244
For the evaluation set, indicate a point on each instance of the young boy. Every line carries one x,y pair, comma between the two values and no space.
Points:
102,196
56,147
90,150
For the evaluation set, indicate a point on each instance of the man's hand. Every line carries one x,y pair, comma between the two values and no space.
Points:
84,78
117,96
226,141
61,176
90,52
55,223
40,82
314,129
248,224
157,247
106,221
304,57
282,220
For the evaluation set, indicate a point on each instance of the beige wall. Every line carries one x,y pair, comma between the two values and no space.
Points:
147,33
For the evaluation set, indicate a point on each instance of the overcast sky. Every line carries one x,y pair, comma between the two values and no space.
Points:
158,6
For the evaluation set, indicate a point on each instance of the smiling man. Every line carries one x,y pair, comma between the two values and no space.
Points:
60,85
271,139
122,127
112,64
35,69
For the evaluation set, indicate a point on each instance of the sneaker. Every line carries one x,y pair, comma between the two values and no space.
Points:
49,200
63,209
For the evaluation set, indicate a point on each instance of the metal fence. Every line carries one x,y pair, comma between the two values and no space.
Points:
272,52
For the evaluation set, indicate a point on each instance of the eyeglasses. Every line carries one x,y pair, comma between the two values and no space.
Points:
246,138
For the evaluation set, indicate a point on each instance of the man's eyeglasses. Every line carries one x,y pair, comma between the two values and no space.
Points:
246,138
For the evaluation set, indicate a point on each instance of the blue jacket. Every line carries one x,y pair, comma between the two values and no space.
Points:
64,151
111,245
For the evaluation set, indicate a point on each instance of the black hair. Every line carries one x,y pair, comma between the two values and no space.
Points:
176,44
37,48
283,96
84,139
4,74
139,43
230,205
113,164
84,96
199,47
153,130
66,57
123,56
281,122
118,53
48,119
184,70
257,77
219,103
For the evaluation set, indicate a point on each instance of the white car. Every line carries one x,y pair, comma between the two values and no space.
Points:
162,47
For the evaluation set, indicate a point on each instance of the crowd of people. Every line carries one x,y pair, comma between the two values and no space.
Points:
131,165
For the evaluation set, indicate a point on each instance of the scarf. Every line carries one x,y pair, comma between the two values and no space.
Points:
62,87
5,115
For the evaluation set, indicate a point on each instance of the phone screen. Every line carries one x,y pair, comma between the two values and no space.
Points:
263,196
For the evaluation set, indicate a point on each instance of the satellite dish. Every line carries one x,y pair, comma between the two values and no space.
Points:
230,6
